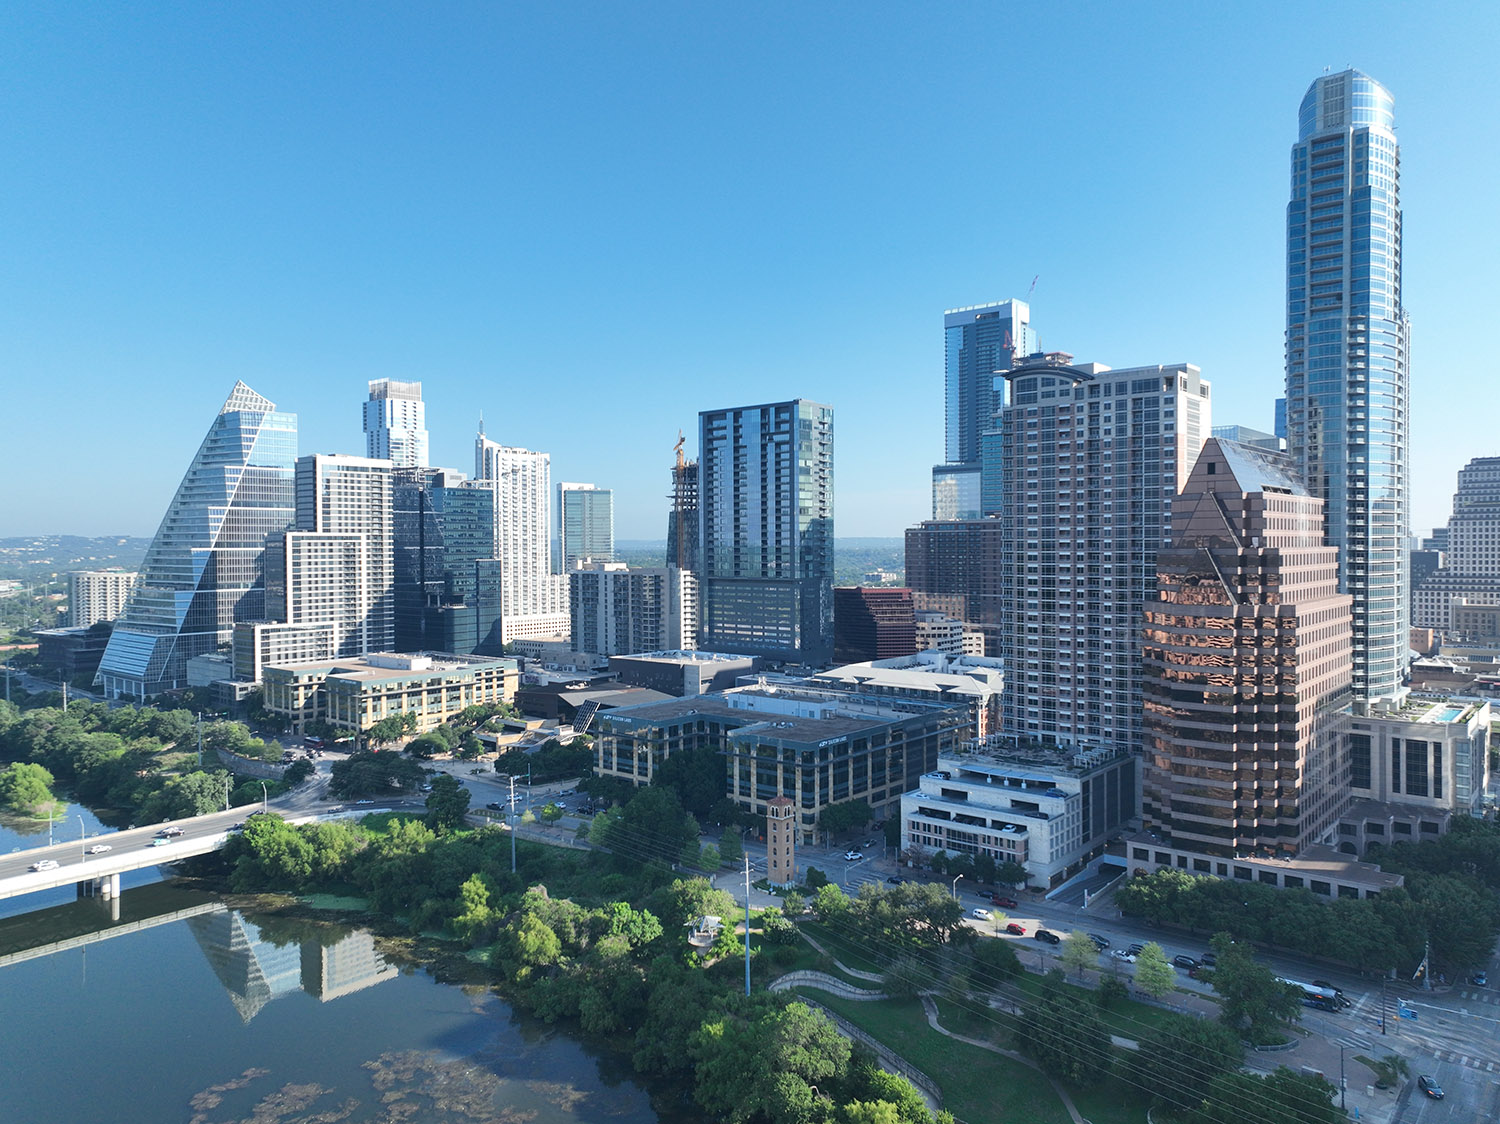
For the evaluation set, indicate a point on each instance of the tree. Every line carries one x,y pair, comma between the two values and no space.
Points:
298,771
697,776
1111,990
426,747
849,816
731,848
447,803
25,786
830,902
775,928
994,962
814,879
984,869
1066,1037
793,904
1179,1059
1010,873
474,913
1283,1097
550,812
653,825
764,1064
892,832
1079,953
364,773
392,728
1253,1002
192,794
709,857
1153,974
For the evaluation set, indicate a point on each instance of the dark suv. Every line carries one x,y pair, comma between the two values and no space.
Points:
1047,935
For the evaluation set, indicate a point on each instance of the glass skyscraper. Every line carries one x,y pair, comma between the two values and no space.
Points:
1346,355
205,569
585,524
978,341
765,515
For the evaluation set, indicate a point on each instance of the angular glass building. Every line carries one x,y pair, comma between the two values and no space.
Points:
1346,356
205,570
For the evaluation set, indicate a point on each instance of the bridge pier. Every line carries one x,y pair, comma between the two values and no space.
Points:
107,886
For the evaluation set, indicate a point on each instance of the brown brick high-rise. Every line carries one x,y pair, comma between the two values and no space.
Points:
1247,656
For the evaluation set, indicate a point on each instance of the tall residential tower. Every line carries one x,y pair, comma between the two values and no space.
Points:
765,516
1346,356
396,423
533,600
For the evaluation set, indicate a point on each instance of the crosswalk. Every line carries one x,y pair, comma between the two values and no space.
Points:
1486,1064
1479,995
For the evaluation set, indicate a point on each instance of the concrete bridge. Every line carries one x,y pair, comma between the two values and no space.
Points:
134,849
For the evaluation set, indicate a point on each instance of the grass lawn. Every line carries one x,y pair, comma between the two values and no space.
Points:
1126,1018
978,1086
841,947
1113,1102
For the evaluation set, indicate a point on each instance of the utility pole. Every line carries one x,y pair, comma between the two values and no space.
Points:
200,739
1343,1084
747,924
510,812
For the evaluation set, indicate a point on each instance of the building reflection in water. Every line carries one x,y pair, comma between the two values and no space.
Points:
255,969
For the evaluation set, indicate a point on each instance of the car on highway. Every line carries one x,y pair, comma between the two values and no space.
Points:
893,880
1047,936
852,856
44,864
868,843
1101,943
1124,955
1016,930
169,832
237,826
1003,902
495,806
158,842
982,914
99,848
1430,1086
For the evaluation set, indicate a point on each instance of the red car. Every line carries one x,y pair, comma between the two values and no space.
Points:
1003,903
1016,930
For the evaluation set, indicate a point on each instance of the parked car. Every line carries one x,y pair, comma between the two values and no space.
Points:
1047,935
893,880
44,864
1430,1086
1004,902
1101,943
1016,930
982,914
495,806
1186,963
1480,979
1135,948
1207,960
100,848
1124,955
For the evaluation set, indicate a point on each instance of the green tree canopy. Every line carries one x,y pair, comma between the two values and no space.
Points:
1153,974
1253,1001
1179,1059
25,787
1066,1037
1079,953
447,803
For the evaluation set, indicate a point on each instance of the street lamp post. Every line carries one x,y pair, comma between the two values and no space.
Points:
226,794
82,834
956,877
265,800
1342,1083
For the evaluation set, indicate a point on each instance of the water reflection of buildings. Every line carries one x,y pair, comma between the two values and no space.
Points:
255,970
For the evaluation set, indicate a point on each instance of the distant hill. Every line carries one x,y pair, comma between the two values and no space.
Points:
34,556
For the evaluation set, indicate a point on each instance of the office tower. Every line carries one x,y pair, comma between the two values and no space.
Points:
203,570
1279,427
1091,460
396,423
872,623
444,547
978,341
1247,671
1470,573
335,567
97,595
682,524
585,524
617,611
533,600
765,520
1346,356
958,560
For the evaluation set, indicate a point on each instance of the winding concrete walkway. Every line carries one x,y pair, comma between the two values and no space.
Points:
930,1006
823,981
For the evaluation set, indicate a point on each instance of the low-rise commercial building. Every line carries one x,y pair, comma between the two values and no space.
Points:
683,673
354,694
815,747
1048,808
976,681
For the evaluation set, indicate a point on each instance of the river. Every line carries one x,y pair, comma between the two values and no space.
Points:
186,1010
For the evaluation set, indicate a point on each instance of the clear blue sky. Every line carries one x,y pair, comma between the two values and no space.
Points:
590,221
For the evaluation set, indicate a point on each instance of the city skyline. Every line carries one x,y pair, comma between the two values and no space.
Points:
389,205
